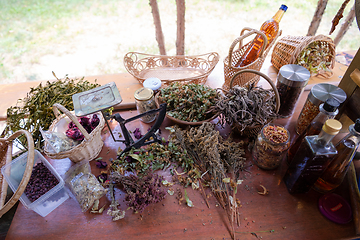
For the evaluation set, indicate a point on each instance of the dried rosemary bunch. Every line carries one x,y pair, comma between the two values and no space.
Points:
246,106
35,110
316,57
189,102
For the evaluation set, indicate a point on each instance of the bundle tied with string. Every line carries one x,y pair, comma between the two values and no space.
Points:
315,53
234,56
248,109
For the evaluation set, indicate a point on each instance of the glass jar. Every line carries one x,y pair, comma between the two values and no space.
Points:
271,146
317,95
145,101
290,84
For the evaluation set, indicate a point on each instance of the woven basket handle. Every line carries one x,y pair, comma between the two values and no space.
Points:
57,107
277,96
27,174
242,36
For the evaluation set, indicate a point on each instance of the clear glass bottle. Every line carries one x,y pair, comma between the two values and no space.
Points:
271,29
312,158
336,171
327,110
270,146
145,101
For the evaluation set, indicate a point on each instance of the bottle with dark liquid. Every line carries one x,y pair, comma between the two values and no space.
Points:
336,171
328,110
312,158
270,28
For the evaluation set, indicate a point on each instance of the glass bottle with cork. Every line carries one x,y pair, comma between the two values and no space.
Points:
312,158
270,28
327,110
336,171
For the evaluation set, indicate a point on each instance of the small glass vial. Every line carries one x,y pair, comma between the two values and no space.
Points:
317,95
145,101
290,84
153,83
271,146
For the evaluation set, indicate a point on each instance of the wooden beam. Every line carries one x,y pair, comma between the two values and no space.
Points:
180,38
158,29
314,25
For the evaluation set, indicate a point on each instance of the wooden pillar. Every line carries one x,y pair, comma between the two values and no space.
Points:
158,29
345,26
314,25
180,37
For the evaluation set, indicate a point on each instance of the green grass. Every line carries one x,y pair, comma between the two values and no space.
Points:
31,29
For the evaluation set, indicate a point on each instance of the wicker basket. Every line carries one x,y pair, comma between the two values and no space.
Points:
229,62
89,148
183,69
5,158
253,131
288,48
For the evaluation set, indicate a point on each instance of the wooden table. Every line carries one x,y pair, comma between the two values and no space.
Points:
277,215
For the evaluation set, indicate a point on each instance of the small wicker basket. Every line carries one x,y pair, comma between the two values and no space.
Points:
5,158
253,131
169,69
288,48
89,148
229,62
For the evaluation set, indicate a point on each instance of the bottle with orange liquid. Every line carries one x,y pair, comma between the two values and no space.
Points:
271,29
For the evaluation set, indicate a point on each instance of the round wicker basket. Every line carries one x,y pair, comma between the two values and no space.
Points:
229,62
252,131
5,158
288,48
88,149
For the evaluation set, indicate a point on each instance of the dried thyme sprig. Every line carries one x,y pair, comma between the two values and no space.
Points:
35,110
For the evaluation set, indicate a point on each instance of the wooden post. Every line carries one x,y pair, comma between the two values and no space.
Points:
180,37
158,29
345,26
314,25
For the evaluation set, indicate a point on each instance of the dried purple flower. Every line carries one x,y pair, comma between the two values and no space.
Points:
95,120
85,122
74,133
101,164
129,159
137,133
102,177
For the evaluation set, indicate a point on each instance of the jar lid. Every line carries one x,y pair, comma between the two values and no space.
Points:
332,126
335,208
322,91
331,105
143,94
293,75
152,83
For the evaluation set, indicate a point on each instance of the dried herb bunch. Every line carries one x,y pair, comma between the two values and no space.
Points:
35,110
246,106
140,191
152,157
189,102
316,57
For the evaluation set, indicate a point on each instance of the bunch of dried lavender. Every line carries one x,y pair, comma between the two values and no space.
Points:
246,107
140,191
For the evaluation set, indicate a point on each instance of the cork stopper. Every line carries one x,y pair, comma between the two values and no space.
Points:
143,94
332,126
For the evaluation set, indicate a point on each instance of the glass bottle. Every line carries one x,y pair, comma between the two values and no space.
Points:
270,146
270,28
145,101
312,158
336,171
328,110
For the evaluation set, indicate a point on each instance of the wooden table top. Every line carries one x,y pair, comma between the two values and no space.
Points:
278,215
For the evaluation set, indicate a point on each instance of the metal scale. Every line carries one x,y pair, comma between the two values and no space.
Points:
107,96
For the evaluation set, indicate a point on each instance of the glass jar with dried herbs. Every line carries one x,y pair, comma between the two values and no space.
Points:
270,146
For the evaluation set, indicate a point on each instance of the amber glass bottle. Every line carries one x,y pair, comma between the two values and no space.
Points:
336,171
270,28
